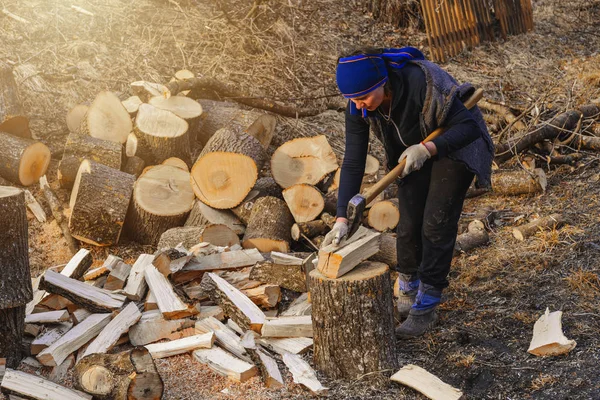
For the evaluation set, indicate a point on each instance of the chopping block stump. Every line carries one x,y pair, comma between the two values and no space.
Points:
353,324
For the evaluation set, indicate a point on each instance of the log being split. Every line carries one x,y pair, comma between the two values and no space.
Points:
553,221
513,183
24,161
13,120
475,236
203,215
384,215
368,343
187,109
304,201
99,203
107,119
162,199
263,187
269,226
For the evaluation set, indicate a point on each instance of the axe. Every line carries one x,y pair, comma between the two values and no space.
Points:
357,204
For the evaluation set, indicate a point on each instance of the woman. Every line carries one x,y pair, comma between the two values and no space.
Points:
402,98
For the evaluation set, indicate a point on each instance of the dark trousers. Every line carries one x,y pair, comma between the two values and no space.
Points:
431,201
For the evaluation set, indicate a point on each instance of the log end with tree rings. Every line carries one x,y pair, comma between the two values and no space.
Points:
75,117
188,109
219,235
303,160
304,201
34,163
97,380
384,215
23,161
222,180
269,226
132,104
176,162
107,119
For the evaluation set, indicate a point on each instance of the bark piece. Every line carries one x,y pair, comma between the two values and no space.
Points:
13,119
368,343
162,199
50,336
136,283
304,201
50,317
225,337
187,109
118,276
269,226
425,382
99,203
57,212
299,326
287,345
152,327
169,304
548,338
203,215
475,236
220,261
335,261
56,353
263,187
24,161
384,215
513,183
553,221
266,296
303,374
107,119
180,346
34,387
291,277
235,304
225,364
134,166
303,160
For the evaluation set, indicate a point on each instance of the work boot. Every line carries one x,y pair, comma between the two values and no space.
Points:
408,287
422,315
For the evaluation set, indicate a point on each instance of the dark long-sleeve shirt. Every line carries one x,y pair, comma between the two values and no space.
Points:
409,89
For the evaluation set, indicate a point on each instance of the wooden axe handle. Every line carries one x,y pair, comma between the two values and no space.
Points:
394,173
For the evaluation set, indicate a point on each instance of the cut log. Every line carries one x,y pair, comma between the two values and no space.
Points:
176,162
57,212
185,108
99,203
371,165
203,215
367,320
78,148
384,215
300,326
75,117
218,114
227,168
300,306
132,105
268,368
13,119
475,236
282,346
553,221
219,235
234,303
220,261
78,264
330,202
118,276
263,187
169,304
335,261
79,315
89,297
35,207
182,75
165,134
47,338
188,236
225,337
304,201
50,317
127,375
34,387
266,296
137,147
180,346
309,229
152,327
82,333
303,374
109,336
107,119
291,277
225,364
146,90
136,283
303,160
162,199
134,166
425,382
24,161
513,183
548,338
105,269
269,226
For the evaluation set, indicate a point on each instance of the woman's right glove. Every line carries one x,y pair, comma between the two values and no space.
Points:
337,233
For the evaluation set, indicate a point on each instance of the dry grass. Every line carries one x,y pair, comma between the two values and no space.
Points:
584,283
543,381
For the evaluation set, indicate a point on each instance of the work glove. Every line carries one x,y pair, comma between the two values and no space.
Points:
415,155
336,234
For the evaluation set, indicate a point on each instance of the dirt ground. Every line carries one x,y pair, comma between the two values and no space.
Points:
287,51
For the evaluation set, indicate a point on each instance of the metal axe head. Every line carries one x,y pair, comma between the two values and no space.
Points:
354,213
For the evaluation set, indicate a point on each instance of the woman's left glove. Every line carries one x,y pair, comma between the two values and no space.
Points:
415,155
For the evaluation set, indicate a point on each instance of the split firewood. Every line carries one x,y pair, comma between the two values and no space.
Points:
32,329
330,202
309,229
475,236
105,269
298,307
57,213
50,317
184,333
82,333
266,296
220,261
59,373
134,166
13,119
79,315
55,302
303,373
180,346
150,303
304,201
169,304
107,119
513,183
152,327
298,326
225,336
503,111
99,283
136,283
269,226
34,387
210,311
38,295
426,383
80,147
217,234
47,338
119,325
92,298
290,276
239,278
164,133
335,261
227,168
99,203
203,215
118,276
282,346
146,90
548,338
128,375
384,215
264,187
35,207
194,291
387,250
303,160
24,161
225,364
78,264
269,369
187,109
132,105
234,303
553,221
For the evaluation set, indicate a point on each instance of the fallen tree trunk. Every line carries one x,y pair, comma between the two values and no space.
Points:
269,226
553,221
13,119
513,183
107,119
24,161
